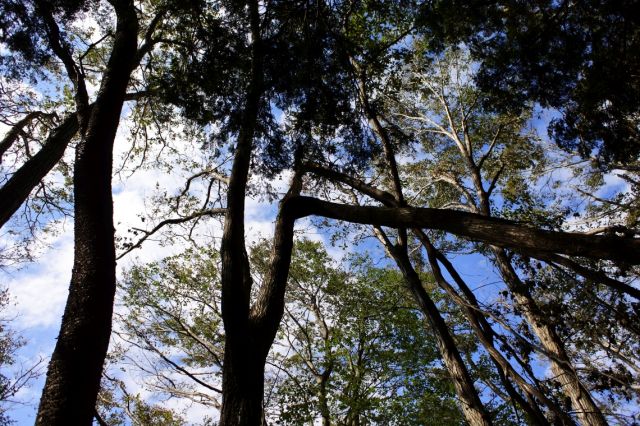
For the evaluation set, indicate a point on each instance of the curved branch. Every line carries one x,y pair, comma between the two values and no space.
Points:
173,221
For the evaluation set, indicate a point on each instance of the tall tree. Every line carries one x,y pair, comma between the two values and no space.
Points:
74,372
360,352
73,377
230,66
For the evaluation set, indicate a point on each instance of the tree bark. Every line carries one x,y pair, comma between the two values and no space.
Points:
243,382
486,336
73,377
245,352
472,408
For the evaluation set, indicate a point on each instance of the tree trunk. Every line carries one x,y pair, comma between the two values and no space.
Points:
583,405
243,383
73,378
245,353
472,408
485,334
323,403
499,232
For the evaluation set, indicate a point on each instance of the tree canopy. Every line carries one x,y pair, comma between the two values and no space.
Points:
465,266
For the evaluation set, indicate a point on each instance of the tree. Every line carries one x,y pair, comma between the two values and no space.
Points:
361,354
74,372
463,142
350,320
173,317
253,325
470,132
223,67
567,56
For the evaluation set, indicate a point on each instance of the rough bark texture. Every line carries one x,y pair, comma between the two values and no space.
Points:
243,382
73,378
472,408
245,354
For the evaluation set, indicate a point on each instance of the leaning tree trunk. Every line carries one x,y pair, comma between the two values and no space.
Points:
472,408
73,378
583,404
486,336
17,189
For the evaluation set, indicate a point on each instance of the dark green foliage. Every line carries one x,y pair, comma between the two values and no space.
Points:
308,95
23,31
576,57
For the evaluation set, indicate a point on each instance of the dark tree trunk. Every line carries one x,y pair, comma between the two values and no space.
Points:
245,352
73,378
472,408
499,232
323,402
243,383
583,405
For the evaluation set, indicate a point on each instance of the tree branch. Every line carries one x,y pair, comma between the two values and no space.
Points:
498,232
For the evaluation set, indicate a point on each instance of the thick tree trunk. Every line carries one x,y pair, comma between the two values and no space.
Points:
73,378
499,232
243,383
245,351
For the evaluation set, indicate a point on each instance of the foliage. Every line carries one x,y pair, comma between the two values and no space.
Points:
446,89
10,343
359,351
570,56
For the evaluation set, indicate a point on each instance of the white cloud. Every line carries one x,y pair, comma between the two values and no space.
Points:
40,290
